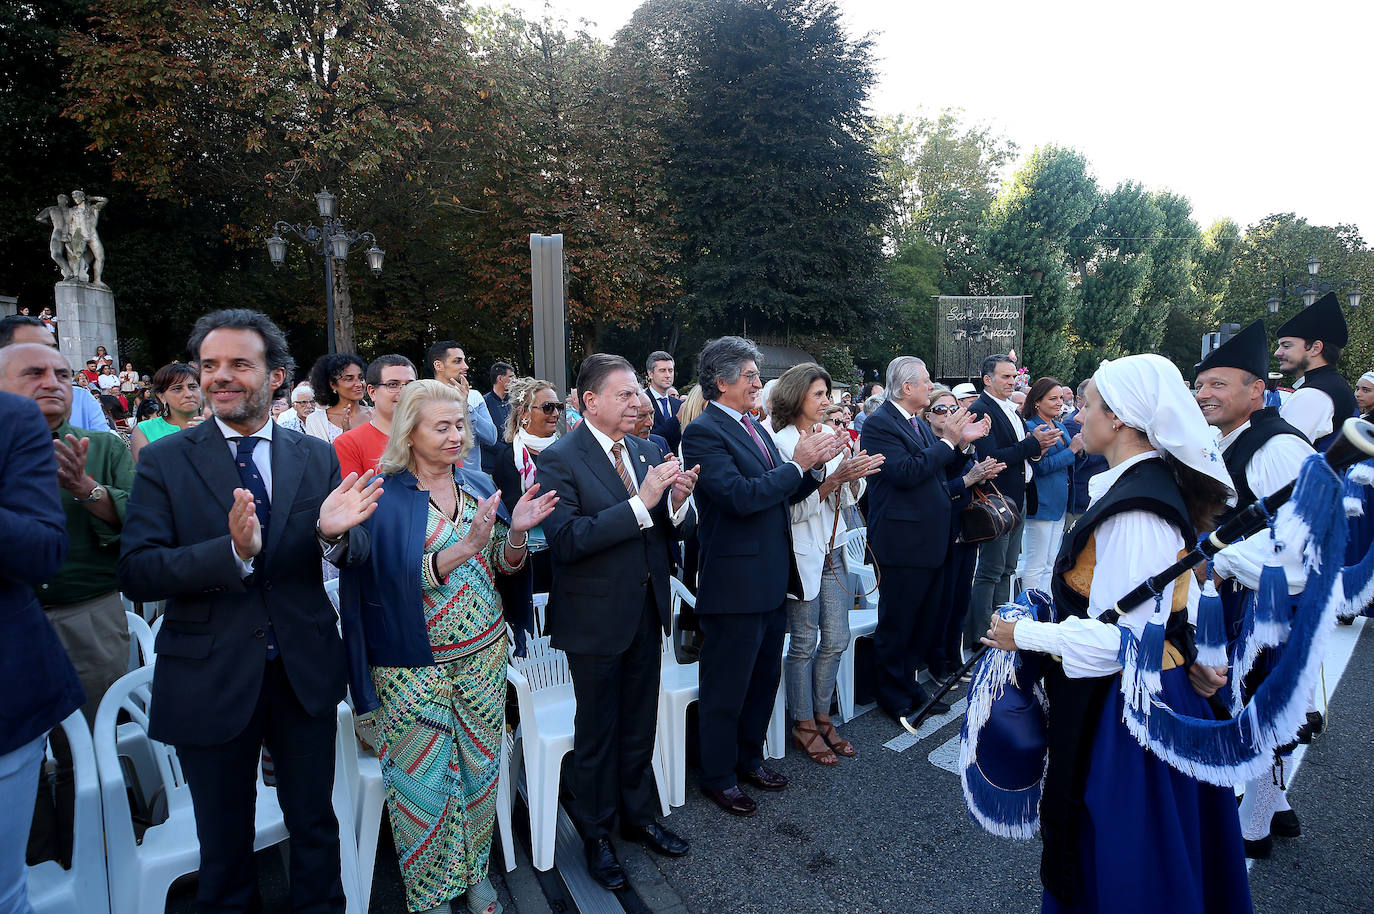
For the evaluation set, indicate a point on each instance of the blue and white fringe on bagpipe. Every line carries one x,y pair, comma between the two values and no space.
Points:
1011,812
1226,752
1358,579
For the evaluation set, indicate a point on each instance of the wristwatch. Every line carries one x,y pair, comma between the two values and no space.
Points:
97,493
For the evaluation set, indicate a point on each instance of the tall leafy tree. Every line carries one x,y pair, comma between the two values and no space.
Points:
1034,233
780,197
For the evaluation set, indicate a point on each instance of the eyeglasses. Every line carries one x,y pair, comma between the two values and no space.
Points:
943,410
749,375
395,385
551,408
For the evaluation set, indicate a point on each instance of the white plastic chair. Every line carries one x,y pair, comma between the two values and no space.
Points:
140,641
680,685
541,607
775,739
361,772
156,627
140,874
331,590
544,690
863,622
84,887
505,800
864,578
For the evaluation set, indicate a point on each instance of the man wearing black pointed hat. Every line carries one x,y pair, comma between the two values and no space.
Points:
1262,453
1310,345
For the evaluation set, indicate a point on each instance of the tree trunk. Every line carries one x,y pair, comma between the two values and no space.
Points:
343,309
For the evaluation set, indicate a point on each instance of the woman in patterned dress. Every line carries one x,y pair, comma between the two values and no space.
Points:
427,645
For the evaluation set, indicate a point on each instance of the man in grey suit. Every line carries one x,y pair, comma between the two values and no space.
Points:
620,505
227,522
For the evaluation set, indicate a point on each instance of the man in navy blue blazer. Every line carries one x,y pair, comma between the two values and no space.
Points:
1009,442
661,371
743,496
227,522
38,681
908,516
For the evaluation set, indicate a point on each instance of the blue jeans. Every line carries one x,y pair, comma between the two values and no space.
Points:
810,667
18,782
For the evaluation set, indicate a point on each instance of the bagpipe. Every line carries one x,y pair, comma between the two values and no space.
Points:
1002,754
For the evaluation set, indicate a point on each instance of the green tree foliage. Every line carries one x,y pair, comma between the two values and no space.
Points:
778,185
1274,252
1034,230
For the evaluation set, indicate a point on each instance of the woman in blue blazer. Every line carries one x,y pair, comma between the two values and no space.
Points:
426,643
1044,528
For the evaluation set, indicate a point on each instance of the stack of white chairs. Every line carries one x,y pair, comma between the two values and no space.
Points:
84,887
361,773
863,622
679,687
142,872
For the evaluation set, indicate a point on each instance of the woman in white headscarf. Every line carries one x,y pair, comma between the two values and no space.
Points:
1123,831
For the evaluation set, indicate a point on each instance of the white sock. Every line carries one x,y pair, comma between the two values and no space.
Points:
1262,797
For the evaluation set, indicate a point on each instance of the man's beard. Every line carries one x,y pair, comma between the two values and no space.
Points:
257,404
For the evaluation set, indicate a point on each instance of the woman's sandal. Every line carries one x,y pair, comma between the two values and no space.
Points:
842,746
821,756
481,898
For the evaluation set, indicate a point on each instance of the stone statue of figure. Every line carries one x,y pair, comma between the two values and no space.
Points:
57,243
83,243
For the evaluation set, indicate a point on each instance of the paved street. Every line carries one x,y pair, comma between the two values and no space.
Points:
888,833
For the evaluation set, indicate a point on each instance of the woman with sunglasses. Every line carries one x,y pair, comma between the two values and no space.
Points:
536,414
965,472
1045,527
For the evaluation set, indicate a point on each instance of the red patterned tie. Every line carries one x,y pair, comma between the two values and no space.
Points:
749,427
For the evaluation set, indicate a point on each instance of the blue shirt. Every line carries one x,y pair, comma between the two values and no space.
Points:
86,413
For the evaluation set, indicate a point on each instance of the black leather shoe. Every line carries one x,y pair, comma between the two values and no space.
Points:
733,800
1285,824
603,865
657,839
1259,850
897,716
765,778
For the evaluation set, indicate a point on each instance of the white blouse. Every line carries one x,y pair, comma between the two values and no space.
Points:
1131,547
1273,466
317,425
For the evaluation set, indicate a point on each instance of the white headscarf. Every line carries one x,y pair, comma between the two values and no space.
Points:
1368,376
1147,393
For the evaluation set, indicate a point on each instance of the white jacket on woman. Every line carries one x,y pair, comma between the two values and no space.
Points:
813,519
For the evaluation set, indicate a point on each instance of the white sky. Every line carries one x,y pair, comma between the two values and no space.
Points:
1246,108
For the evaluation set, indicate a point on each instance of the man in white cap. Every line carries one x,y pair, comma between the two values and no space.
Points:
965,393
1310,345
1262,453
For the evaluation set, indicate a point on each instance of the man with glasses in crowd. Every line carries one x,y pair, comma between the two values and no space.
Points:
360,448
302,405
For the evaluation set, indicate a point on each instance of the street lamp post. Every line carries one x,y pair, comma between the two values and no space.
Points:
1312,289
332,242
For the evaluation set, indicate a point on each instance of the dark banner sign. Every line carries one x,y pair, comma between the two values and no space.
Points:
969,328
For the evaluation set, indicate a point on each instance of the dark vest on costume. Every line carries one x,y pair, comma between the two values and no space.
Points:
1264,424
1329,381
1076,704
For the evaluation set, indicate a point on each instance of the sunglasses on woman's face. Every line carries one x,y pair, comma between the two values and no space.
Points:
551,408
943,410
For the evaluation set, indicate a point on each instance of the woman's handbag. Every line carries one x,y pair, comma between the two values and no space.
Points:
988,516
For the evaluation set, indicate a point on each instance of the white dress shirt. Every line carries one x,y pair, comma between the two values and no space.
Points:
1131,547
1273,466
637,503
1017,423
1309,411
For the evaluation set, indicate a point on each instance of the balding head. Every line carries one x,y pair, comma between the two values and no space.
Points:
40,373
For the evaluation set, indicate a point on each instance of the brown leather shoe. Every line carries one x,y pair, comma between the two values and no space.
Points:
765,778
733,800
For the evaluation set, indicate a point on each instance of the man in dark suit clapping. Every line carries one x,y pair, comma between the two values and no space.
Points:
747,567
227,522
620,504
1009,442
907,504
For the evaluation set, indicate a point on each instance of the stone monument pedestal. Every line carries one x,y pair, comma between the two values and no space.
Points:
85,320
